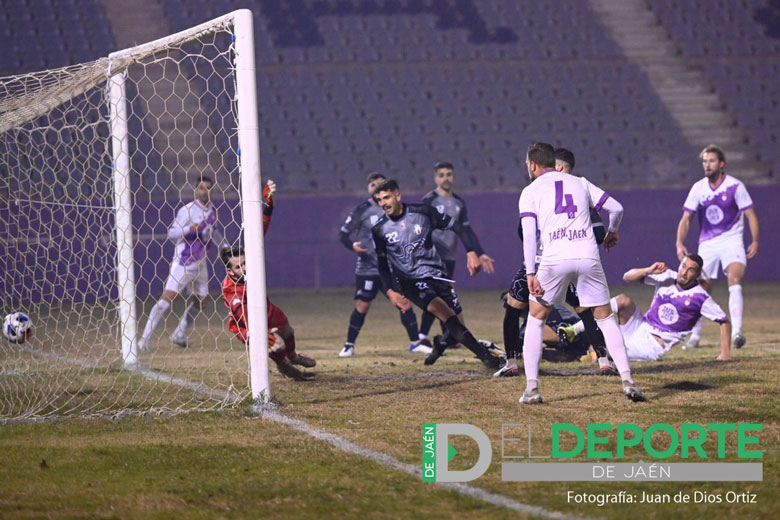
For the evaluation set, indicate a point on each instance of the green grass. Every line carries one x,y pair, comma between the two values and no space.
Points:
228,465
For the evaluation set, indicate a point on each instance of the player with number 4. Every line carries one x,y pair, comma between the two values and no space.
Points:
558,205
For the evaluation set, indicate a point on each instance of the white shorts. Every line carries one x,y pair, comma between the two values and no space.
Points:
641,344
723,250
188,279
585,273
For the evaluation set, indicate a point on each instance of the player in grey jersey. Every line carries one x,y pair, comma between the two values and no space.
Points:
409,263
355,234
446,201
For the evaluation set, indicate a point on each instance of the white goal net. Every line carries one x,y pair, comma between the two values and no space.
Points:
97,161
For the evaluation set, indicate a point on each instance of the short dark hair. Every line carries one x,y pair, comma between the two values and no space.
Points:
542,154
713,148
443,164
233,252
564,155
388,185
697,259
371,177
204,178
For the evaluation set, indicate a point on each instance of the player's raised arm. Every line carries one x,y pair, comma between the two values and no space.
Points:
639,273
269,192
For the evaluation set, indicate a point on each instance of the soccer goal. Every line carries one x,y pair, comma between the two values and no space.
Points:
97,161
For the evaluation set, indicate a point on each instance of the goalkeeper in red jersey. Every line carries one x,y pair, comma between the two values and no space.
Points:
281,336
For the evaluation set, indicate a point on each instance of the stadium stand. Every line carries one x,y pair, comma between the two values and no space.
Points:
42,34
396,86
736,44
348,86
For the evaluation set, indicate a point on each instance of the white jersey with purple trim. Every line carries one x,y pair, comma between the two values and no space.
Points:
191,247
675,311
719,209
561,204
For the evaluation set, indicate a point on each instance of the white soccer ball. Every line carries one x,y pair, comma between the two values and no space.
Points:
17,327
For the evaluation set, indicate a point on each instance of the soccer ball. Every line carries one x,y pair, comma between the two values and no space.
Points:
17,327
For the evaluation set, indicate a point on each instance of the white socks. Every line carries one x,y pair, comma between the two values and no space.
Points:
532,351
615,345
735,308
159,311
579,327
186,321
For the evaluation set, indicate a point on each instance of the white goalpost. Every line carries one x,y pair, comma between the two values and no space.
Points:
95,162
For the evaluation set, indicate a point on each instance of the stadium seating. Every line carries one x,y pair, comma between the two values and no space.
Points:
739,43
395,86
348,86
43,34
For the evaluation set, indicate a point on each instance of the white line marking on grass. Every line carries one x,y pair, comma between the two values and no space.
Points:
270,413
387,460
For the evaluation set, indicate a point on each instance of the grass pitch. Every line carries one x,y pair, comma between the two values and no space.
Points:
231,465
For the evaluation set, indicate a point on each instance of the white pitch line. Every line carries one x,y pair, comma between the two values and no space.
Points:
271,414
389,461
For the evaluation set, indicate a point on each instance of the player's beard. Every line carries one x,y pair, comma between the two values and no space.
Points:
686,286
713,176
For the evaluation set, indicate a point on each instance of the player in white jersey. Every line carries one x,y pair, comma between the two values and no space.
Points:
193,230
720,200
678,304
558,206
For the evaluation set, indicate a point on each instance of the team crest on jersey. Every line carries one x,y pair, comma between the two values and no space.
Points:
440,208
724,197
374,219
417,229
714,214
392,238
667,313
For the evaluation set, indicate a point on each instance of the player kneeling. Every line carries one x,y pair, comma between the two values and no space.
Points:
281,337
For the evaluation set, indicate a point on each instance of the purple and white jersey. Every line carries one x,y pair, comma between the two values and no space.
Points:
719,209
561,204
675,311
191,247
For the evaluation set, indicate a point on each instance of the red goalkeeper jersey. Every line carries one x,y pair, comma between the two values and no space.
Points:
234,296
234,293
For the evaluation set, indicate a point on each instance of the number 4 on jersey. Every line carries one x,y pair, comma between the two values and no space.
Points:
570,208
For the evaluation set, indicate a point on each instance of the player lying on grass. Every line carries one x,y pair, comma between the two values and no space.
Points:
402,238
235,298
559,347
679,302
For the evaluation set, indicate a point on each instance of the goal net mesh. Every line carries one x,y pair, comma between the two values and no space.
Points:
58,238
